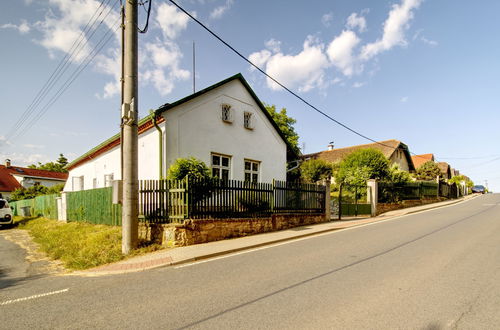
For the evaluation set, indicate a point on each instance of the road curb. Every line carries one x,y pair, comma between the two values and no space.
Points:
378,218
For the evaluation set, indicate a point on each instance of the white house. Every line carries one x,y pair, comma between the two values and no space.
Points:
225,125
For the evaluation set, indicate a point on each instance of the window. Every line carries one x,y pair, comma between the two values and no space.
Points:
226,113
221,166
108,180
248,120
252,171
94,183
77,183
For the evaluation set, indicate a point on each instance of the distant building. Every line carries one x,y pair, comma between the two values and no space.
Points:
395,151
15,177
420,160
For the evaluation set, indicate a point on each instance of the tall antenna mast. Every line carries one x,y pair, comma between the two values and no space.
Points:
194,69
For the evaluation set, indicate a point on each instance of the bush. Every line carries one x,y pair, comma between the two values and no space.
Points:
361,165
195,168
315,170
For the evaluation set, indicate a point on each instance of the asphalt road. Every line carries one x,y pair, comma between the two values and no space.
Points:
439,269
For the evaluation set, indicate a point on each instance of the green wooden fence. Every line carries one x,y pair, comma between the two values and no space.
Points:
45,206
94,206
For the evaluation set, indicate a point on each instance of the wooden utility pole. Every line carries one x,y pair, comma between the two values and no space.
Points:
130,210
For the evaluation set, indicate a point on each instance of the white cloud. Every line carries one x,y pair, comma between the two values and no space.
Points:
166,56
354,21
304,70
340,52
23,160
33,146
327,19
273,45
259,58
219,11
358,84
394,29
404,99
22,28
429,42
171,20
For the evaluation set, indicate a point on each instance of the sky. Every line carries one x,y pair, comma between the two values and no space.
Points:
424,72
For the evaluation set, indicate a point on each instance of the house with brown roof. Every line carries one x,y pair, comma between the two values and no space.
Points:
15,177
395,151
445,169
420,160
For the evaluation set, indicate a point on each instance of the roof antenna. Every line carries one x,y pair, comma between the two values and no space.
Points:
194,69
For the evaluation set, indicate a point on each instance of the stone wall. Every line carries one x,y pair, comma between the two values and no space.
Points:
386,207
203,231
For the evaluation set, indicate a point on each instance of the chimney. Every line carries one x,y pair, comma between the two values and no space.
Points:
330,146
7,163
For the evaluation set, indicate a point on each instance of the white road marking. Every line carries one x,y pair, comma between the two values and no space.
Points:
314,236
8,302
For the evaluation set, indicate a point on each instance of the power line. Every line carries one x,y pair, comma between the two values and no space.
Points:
63,65
280,84
87,60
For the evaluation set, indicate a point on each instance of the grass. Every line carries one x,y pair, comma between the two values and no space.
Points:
78,245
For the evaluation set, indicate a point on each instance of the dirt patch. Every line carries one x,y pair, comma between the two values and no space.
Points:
39,263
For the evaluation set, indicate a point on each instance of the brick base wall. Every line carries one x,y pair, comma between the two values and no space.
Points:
204,231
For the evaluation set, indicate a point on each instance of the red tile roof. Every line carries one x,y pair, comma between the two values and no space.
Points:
420,160
9,183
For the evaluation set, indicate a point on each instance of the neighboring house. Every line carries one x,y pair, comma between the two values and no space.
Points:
445,169
395,151
15,177
420,160
225,125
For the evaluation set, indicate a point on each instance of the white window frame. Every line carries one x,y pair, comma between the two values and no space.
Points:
220,167
108,180
94,183
81,182
248,120
251,171
226,113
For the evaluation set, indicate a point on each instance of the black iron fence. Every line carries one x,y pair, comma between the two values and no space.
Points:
163,201
392,192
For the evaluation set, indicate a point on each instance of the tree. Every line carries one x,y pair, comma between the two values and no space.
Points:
191,166
57,166
285,124
397,175
314,170
428,171
34,191
361,165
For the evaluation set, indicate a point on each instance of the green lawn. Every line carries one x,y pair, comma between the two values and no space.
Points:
78,245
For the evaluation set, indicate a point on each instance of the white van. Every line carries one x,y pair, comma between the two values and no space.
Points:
5,213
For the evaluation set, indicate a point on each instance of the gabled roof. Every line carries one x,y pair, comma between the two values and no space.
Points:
290,153
145,123
444,167
387,148
420,160
9,183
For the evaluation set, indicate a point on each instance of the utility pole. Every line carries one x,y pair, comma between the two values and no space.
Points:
130,210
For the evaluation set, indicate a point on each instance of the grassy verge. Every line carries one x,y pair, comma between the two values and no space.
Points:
78,245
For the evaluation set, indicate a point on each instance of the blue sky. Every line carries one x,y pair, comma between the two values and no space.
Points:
423,72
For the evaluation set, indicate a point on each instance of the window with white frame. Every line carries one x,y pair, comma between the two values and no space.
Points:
252,170
77,183
226,113
94,183
108,180
248,120
221,166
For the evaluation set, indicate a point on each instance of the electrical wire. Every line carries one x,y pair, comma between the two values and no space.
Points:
145,29
84,63
279,83
63,65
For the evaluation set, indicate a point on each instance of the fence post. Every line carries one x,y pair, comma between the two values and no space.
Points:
328,210
62,215
272,196
372,186
340,201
